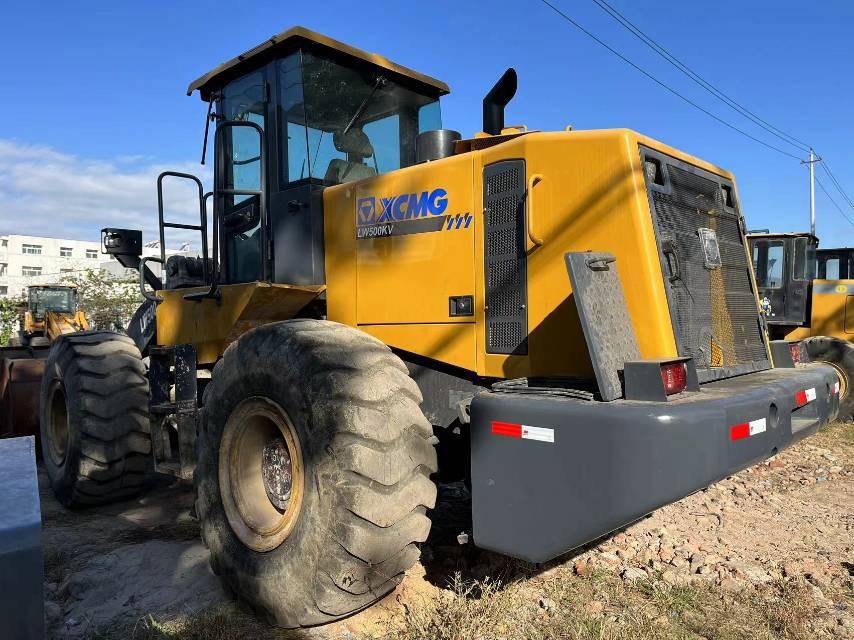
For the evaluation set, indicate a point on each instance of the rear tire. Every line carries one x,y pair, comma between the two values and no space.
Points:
360,455
94,418
840,355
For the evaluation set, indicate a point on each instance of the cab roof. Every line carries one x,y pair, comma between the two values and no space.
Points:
295,38
791,234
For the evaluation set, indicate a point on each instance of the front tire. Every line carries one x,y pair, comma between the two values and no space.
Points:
313,471
94,418
839,354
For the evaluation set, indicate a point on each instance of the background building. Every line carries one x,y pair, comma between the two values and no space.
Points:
26,260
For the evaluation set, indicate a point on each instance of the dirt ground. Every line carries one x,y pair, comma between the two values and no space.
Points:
768,553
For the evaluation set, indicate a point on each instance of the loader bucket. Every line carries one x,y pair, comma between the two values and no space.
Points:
21,371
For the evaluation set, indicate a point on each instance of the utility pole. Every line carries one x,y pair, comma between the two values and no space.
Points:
811,162
812,191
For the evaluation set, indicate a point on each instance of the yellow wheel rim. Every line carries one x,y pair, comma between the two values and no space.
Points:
261,473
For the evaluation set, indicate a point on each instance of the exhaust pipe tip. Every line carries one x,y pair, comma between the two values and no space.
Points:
495,101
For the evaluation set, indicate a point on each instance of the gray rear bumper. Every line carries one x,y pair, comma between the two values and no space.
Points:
610,463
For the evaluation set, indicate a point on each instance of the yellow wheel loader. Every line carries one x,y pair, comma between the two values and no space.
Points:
807,295
570,316
51,311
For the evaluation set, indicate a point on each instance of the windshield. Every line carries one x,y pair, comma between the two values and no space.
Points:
342,123
61,300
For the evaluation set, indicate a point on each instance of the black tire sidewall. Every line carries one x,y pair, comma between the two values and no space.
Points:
840,353
63,477
296,557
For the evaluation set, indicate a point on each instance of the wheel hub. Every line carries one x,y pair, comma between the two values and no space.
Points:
260,473
277,472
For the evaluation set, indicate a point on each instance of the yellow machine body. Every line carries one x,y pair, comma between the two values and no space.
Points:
211,325
832,311
587,192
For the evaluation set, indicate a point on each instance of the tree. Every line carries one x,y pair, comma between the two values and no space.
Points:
107,301
10,313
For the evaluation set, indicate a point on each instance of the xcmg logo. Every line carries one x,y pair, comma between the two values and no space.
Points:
408,206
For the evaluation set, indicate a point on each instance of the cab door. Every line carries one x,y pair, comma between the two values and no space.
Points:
770,264
239,167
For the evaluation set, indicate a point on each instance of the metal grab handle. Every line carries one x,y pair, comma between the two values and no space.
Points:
145,294
600,264
668,248
532,182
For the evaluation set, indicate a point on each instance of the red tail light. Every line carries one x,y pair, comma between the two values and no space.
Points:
795,350
675,377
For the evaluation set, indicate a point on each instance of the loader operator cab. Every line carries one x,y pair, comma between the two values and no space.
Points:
785,265
293,116
324,119
42,299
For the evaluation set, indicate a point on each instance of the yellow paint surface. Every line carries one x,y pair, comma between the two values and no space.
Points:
832,312
210,325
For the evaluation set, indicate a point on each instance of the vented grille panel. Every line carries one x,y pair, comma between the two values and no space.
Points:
504,251
714,310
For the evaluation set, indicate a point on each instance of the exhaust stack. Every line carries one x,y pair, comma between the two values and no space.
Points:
496,100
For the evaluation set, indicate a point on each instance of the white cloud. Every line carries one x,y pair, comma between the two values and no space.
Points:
46,192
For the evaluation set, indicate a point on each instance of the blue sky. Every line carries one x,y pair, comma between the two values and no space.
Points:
93,104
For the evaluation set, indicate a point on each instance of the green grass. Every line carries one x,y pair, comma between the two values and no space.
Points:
648,609
227,622
55,564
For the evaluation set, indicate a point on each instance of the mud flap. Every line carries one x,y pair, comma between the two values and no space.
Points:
604,316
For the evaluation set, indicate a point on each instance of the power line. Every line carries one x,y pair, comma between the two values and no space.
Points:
838,186
660,50
697,78
844,215
663,84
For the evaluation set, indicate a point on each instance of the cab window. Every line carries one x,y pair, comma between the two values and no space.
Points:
804,263
768,259
243,100
830,269
345,123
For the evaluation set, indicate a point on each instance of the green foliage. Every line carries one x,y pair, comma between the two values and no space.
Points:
108,302
10,311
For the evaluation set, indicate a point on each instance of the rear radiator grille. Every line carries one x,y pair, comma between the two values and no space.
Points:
714,309
504,255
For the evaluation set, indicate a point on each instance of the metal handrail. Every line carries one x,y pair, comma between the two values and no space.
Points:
145,294
203,217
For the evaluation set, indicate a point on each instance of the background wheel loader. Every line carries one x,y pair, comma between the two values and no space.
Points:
571,316
51,311
808,295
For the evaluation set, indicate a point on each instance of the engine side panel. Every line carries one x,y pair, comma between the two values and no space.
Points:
391,264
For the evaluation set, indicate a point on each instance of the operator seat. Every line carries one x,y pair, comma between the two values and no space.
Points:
357,146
